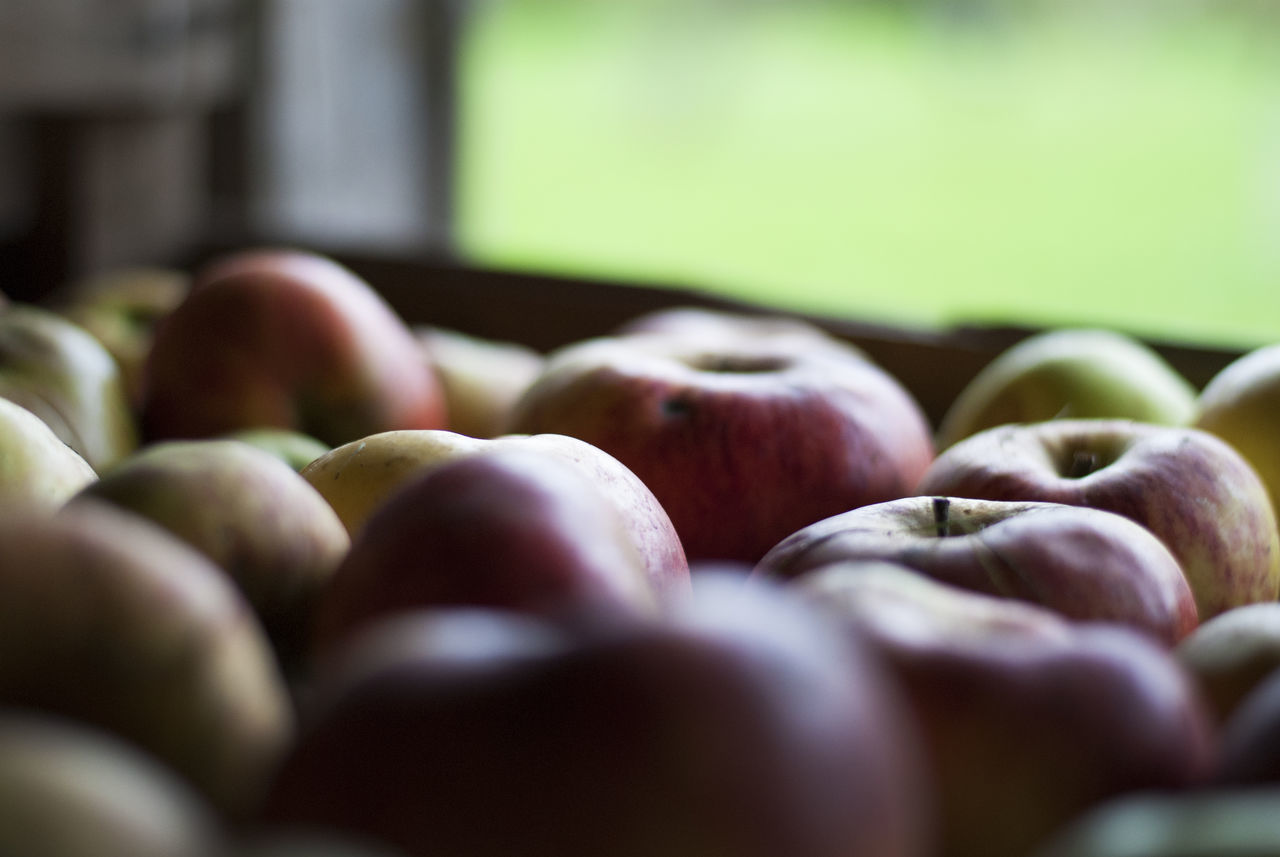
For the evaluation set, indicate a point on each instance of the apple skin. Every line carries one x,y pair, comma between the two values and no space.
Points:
506,528
292,447
358,477
1231,653
1188,487
121,309
1250,738
249,512
1241,405
1083,563
1071,373
109,619
742,725
69,790
482,378
61,373
1208,823
286,339
742,441
706,324
1029,719
37,470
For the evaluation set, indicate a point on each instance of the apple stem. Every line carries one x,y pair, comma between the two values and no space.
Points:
1082,463
942,516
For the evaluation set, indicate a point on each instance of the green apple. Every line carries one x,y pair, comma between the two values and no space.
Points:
245,509
1241,405
37,470
61,373
1232,653
121,308
109,619
69,790
482,378
1075,373
292,447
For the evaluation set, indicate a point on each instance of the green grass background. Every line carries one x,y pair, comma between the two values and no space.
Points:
1098,164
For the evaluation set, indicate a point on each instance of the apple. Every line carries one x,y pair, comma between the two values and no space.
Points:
1187,486
1250,737
1076,373
292,447
709,324
69,790
358,477
286,339
1083,563
1029,719
37,470
508,528
109,619
121,308
482,378
742,441
1241,405
741,725
249,512
1203,823
1232,652
61,373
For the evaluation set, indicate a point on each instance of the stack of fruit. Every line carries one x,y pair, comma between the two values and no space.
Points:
282,574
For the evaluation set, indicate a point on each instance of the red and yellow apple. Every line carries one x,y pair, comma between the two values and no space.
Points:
1029,720
1193,490
742,440
286,339
1084,564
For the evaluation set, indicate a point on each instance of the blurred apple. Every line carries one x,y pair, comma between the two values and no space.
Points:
358,477
246,510
508,528
121,308
1250,737
706,324
1232,652
482,378
1029,719
292,447
743,725
1187,486
742,440
68,790
37,470
1075,373
58,371
1204,823
1083,563
286,339
107,618
1241,405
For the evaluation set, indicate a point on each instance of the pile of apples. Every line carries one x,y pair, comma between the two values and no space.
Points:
284,574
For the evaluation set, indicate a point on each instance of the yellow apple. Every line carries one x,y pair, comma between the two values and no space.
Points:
37,469
1241,405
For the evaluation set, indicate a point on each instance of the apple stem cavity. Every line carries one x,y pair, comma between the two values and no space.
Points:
1082,464
942,516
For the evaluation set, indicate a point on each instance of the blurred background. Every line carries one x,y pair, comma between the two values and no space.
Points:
916,162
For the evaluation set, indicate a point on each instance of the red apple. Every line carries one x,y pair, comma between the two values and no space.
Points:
742,440
1029,719
286,339
1185,485
1083,563
743,725
507,528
